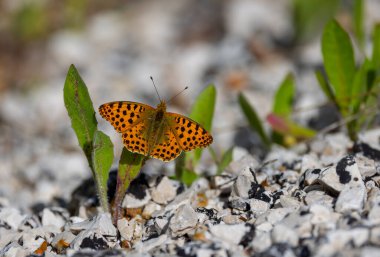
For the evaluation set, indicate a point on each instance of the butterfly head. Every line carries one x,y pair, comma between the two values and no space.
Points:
161,107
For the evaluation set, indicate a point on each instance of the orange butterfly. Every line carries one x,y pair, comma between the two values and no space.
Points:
154,132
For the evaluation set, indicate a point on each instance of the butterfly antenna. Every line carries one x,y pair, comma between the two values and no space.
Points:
180,92
151,78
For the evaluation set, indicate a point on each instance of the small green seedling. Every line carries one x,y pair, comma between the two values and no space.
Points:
96,146
284,130
352,88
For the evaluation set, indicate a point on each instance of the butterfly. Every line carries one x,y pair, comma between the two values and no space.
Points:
154,132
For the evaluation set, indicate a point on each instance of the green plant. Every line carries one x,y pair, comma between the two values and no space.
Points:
352,88
284,130
98,147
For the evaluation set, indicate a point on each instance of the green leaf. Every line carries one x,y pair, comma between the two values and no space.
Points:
253,119
129,167
283,100
360,87
203,113
309,16
80,109
376,46
326,88
338,57
226,160
358,20
102,158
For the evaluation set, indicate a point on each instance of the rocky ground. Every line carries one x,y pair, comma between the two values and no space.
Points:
319,198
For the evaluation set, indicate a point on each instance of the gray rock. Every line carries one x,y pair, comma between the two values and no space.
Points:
351,198
97,233
283,234
51,218
231,234
130,200
184,220
164,192
130,230
375,235
11,217
319,197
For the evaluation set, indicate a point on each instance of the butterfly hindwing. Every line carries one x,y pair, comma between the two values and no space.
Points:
168,149
123,115
134,139
189,134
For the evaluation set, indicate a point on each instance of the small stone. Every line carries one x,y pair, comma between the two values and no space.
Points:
97,233
149,209
319,197
289,202
283,234
164,192
366,166
50,218
160,224
63,240
274,216
258,207
261,241
351,198
133,201
12,217
184,220
232,234
375,236
130,229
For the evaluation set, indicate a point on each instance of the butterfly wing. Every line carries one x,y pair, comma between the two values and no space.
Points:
188,133
124,115
168,149
134,139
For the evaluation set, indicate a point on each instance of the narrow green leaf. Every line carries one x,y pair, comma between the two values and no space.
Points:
188,177
338,57
283,100
129,167
376,46
326,88
203,113
358,13
359,87
226,160
80,109
102,158
253,119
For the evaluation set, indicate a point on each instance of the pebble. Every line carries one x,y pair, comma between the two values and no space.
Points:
184,220
164,192
231,234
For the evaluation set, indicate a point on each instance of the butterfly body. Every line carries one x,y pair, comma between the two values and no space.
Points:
154,132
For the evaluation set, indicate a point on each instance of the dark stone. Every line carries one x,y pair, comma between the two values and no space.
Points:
94,243
344,175
257,191
367,151
248,237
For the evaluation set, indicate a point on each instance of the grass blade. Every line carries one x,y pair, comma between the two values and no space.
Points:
225,161
358,21
253,119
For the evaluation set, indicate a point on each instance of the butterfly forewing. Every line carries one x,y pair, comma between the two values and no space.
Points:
189,134
124,115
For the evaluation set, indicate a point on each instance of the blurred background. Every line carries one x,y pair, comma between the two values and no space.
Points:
239,45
